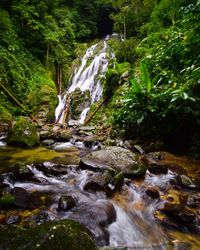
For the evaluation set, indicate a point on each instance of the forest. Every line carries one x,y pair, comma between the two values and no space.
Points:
159,48
39,40
100,124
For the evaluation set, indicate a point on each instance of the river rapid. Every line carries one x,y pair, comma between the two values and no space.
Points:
149,212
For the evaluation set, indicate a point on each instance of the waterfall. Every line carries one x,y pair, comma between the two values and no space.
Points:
87,76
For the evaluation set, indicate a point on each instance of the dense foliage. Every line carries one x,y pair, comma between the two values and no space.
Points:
158,46
37,43
163,98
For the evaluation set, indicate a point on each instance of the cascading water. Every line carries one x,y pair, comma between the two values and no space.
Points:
87,77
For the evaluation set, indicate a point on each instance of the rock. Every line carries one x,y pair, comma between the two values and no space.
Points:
109,142
117,158
23,134
157,156
58,134
188,182
2,218
49,169
97,216
66,202
48,142
93,145
177,169
139,149
193,200
153,192
13,219
54,235
5,120
21,172
157,168
86,128
179,213
108,182
29,200
79,101
7,201
153,166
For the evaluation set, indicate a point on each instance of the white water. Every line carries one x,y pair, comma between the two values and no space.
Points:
87,77
83,115
2,142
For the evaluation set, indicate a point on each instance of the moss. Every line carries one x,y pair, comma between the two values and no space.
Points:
23,134
79,101
66,234
7,200
5,116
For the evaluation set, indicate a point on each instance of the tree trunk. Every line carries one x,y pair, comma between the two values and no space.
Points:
58,78
11,96
47,56
89,118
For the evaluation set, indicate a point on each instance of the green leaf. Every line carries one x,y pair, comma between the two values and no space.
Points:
145,77
185,96
136,86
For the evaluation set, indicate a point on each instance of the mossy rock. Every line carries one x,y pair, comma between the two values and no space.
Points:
118,158
79,101
7,200
55,235
5,119
23,134
5,116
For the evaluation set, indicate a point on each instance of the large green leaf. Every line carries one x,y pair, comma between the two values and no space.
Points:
145,77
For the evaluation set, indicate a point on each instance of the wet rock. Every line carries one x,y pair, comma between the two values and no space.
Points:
2,218
157,168
108,182
153,192
66,202
188,182
79,101
48,142
23,134
109,142
139,149
13,219
193,200
7,200
54,235
37,219
86,128
179,213
117,158
21,172
165,221
97,216
29,200
90,141
58,134
154,167
50,169
157,156
177,169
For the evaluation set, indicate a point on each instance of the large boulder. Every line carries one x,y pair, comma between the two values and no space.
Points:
57,235
5,120
108,182
23,134
79,101
120,159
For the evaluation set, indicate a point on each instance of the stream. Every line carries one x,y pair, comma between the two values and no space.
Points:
127,219
159,209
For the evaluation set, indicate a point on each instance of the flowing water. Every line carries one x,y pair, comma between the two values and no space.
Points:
124,221
87,76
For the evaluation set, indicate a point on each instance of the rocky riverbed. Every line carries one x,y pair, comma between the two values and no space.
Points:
125,198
